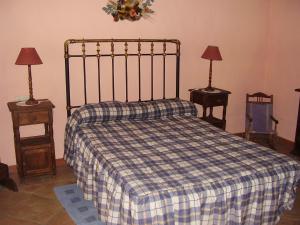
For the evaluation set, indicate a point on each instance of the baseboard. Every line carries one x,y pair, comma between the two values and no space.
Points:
281,144
280,139
59,163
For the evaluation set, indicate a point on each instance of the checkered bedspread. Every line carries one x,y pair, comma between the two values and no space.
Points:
148,164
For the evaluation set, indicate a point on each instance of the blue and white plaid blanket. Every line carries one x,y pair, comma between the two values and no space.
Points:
157,163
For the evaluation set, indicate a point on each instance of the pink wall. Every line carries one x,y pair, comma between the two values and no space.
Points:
239,28
282,66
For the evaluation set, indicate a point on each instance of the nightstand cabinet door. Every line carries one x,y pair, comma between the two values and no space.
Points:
35,155
37,160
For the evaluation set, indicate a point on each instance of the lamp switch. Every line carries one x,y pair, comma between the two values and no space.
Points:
21,98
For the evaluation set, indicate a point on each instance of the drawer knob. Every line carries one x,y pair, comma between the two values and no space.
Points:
33,118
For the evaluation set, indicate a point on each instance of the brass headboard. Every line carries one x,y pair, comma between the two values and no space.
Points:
98,54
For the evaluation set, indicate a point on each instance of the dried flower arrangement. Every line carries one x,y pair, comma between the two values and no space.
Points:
129,9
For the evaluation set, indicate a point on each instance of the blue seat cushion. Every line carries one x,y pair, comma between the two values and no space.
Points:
261,117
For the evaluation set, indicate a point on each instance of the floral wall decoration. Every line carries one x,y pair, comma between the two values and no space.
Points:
129,9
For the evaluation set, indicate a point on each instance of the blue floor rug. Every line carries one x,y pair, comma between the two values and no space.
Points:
81,211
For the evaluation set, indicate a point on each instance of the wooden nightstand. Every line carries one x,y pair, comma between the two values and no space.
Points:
35,155
208,99
296,150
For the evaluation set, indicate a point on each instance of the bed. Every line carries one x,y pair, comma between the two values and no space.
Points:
154,161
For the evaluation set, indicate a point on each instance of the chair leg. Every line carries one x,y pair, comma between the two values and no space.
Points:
5,180
272,141
247,135
10,184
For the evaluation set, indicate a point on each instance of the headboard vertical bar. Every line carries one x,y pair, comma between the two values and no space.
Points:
113,68
84,71
152,49
164,70
139,57
68,97
126,69
177,69
99,71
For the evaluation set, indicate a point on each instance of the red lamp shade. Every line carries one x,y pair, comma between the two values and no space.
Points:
212,53
28,56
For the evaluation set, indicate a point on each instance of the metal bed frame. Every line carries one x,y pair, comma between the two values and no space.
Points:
98,55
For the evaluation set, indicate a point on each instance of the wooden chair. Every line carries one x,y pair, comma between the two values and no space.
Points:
5,180
260,122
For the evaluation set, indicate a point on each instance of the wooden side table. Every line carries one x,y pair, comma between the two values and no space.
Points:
209,100
296,150
35,155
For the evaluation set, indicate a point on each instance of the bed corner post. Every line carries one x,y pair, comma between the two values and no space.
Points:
177,68
66,55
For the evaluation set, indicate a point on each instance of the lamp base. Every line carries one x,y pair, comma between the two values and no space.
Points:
208,89
31,101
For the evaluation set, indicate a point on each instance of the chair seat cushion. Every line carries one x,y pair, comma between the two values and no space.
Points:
261,120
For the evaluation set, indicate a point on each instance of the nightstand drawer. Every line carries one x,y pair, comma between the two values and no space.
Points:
215,100
26,118
208,100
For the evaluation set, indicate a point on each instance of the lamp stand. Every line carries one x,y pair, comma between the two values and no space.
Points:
31,100
209,87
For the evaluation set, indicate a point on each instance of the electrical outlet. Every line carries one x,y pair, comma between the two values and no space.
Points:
21,98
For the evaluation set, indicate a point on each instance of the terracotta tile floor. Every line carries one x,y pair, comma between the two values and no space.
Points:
36,204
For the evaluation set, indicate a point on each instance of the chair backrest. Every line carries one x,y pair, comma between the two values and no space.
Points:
259,107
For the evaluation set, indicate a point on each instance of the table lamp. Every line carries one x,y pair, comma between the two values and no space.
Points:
29,56
211,53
